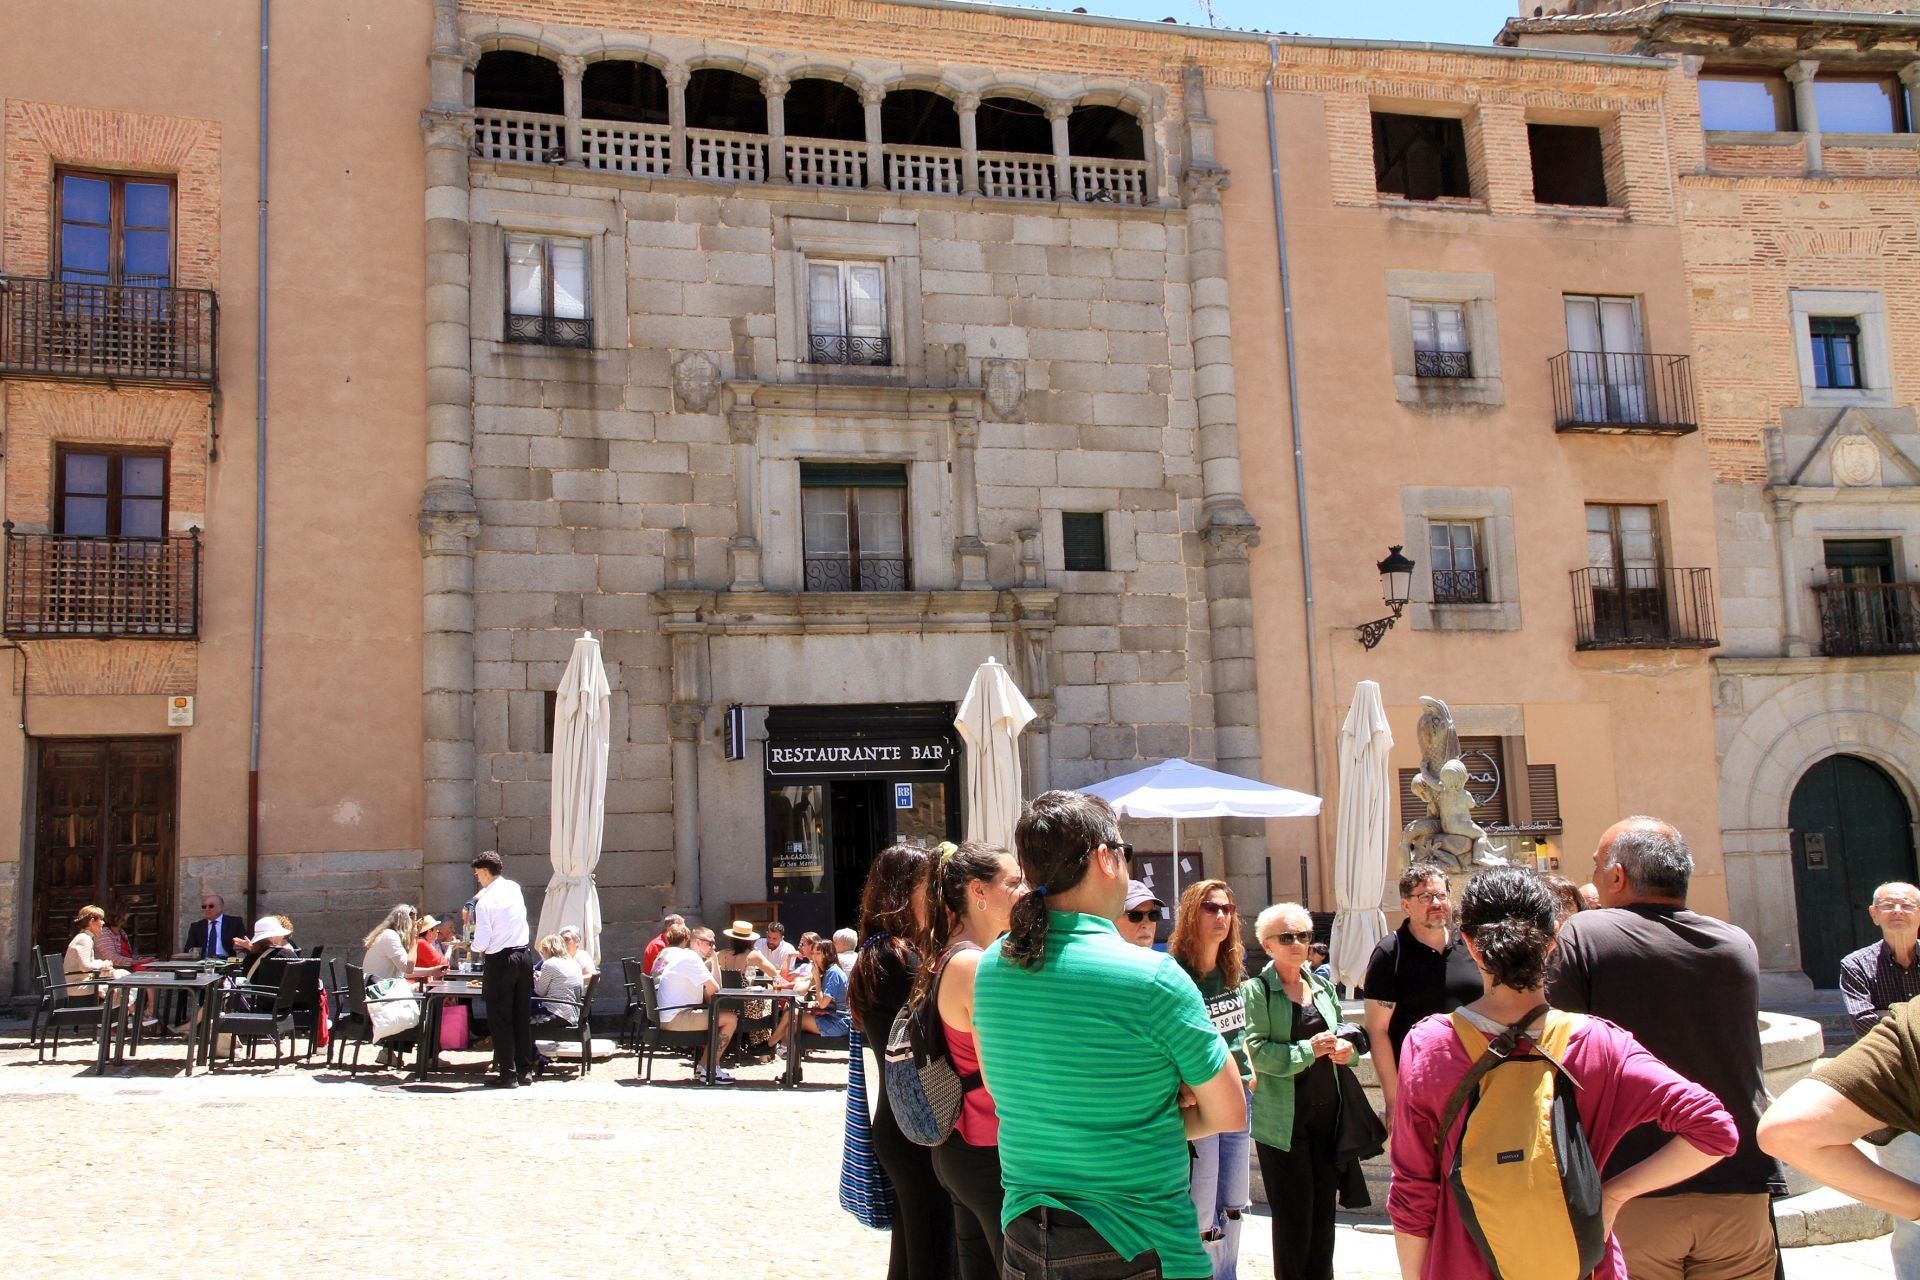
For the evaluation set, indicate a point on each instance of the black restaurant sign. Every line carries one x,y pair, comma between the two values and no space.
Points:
857,757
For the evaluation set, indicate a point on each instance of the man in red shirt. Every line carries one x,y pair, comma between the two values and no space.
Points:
658,944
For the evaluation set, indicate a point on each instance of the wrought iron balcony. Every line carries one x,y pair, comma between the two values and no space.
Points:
834,348
550,331
869,573
1623,393
1644,609
1459,586
1442,364
108,332
102,587
1858,619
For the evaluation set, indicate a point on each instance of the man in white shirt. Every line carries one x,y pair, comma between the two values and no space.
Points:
683,980
500,937
775,946
845,941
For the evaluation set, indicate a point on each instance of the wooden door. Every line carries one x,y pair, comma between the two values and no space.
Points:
104,822
1851,833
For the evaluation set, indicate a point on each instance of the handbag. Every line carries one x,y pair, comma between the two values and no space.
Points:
391,1008
865,1191
923,1086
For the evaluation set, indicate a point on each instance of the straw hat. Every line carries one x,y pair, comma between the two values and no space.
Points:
742,931
268,927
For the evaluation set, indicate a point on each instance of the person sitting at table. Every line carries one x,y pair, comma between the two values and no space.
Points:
658,942
776,948
387,954
114,943
742,956
577,949
446,936
826,1011
426,952
845,945
684,982
267,956
801,964
83,962
558,976
217,935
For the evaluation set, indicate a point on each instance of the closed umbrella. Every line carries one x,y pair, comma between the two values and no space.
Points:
582,713
1360,847
1179,789
990,720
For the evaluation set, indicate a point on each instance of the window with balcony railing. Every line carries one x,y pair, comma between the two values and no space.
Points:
1459,572
847,313
548,297
102,587
1440,348
854,527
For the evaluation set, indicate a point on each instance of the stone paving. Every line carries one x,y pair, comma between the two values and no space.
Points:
308,1173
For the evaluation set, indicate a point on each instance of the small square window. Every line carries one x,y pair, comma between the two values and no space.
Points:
1083,534
847,313
1459,567
1420,157
1440,348
547,293
1569,164
1836,351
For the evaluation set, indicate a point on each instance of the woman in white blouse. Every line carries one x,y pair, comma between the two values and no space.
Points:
82,962
390,950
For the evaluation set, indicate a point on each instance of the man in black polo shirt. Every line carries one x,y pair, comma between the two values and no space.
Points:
1420,968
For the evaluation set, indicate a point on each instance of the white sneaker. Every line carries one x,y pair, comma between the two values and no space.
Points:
723,1076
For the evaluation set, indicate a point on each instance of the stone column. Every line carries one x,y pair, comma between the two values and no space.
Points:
968,106
871,96
676,77
1910,81
969,552
571,70
1793,638
1057,113
1156,186
449,520
775,88
743,553
679,608
1805,110
1036,611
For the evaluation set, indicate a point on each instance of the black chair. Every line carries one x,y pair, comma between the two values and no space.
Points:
635,1014
65,1009
310,971
355,1025
581,1031
736,980
809,1040
254,1014
653,1036
42,998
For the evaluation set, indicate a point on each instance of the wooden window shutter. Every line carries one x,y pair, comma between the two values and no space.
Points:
1545,787
1491,815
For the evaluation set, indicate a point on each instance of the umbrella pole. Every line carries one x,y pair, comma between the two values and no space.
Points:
1176,851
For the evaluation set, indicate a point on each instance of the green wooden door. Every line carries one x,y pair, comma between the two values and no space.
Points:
1851,833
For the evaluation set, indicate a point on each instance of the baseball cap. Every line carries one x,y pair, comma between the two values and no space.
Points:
1138,895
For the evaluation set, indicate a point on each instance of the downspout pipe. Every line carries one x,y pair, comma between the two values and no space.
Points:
259,491
1299,454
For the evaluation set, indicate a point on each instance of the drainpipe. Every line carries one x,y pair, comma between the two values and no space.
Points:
1293,418
259,496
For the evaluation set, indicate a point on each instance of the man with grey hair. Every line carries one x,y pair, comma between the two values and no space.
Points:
844,942
1688,987
1876,978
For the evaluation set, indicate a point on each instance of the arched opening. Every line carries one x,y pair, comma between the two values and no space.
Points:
517,108
826,135
635,92
726,126
1109,156
1016,149
1852,831
921,134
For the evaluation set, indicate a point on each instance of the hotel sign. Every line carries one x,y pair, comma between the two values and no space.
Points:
857,758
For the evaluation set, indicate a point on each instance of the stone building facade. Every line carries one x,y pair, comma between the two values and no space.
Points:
809,377
1797,173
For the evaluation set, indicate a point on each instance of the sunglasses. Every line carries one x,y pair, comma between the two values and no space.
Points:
1291,939
209,906
1217,908
1141,917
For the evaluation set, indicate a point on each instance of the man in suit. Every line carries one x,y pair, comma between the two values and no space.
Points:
216,935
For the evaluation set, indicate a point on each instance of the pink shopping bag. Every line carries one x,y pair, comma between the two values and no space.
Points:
453,1026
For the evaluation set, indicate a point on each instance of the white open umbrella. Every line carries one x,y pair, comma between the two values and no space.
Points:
582,712
991,717
1179,789
1360,848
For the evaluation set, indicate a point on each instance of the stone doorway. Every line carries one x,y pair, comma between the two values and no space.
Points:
1851,832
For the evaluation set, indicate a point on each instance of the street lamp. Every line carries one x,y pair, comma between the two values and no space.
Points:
1396,583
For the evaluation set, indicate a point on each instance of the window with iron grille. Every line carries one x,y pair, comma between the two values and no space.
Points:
1440,348
847,313
548,299
1459,567
1836,350
854,527
1083,534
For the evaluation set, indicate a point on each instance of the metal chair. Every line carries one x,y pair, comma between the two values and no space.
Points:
42,998
653,1036
306,1003
253,1023
582,1030
355,1024
634,1015
63,1008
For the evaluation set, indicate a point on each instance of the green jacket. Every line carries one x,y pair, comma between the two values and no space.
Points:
1277,1056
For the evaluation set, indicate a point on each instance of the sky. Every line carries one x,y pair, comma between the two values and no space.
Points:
1472,22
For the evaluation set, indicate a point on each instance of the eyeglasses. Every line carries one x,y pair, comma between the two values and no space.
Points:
1290,939
209,906
1141,917
1435,896
1217,908
1122,848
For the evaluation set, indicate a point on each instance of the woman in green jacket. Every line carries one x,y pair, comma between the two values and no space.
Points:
1295,1038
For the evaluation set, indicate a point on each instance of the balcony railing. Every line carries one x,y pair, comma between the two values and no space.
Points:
1442,364
1109,181
626,148
101,587
1858,619
869,573
1630,392
1644,609
929,170
1016,175
813,162
550,331
519,135
1459,586
730,157
834,348
111,332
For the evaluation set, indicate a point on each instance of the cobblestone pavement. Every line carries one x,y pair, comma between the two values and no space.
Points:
307,1173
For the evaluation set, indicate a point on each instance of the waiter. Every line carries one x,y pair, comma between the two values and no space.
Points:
500,936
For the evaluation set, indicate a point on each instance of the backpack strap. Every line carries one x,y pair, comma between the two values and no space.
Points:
1494,1052
933,1034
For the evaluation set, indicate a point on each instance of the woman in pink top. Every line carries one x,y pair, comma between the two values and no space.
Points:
971,890
1507,918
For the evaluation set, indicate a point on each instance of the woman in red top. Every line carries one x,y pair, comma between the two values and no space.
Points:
426,954
970,895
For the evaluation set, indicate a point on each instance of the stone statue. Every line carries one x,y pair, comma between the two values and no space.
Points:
1448,835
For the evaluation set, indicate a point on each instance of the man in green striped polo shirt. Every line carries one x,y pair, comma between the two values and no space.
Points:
1101,1061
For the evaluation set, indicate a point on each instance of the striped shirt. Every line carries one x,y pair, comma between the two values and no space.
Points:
1872,982
1085,1055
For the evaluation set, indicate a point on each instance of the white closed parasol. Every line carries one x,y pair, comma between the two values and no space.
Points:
1361,845
582,713
990,720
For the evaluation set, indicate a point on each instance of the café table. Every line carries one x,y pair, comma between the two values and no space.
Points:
743,996
437,994
200,983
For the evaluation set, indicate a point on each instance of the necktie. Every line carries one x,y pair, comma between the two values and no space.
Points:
213,937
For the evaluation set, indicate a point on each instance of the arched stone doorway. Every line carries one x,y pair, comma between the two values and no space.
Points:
1852,830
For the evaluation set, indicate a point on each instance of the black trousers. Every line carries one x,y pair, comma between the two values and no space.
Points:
971,1176
1300,1192
923,1212
506,983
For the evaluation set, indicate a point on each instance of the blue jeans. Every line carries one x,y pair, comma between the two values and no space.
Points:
1222,1190
1052,1244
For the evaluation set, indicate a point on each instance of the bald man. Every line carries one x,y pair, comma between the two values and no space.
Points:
1878,977
1688,987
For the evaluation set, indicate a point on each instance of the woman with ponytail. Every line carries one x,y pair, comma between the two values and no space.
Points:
893,914
1507,918
971,893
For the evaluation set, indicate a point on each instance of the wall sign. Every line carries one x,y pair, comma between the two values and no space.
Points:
736,732
903,795
857,758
